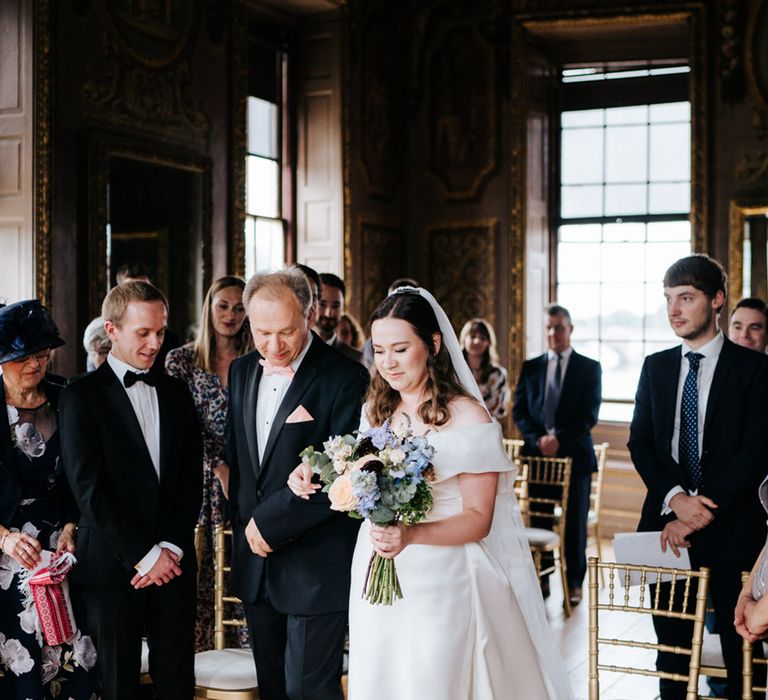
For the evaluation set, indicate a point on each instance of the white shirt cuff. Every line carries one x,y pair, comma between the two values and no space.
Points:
151,557
666,510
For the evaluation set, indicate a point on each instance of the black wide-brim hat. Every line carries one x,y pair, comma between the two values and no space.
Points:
26,327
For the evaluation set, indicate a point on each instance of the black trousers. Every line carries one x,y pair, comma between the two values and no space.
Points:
298,657
575,525
724,589
118,618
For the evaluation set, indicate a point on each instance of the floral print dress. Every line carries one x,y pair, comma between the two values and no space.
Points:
29,668
211,400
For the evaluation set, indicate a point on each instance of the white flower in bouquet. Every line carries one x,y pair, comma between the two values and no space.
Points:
84,652
51,658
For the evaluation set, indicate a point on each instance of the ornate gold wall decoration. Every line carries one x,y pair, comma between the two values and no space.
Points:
239,141
42,158
462,112
756,53
462,269
381,261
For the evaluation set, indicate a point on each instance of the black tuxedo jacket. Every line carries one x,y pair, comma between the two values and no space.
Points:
733,456
576,414
125,510
10,479
308,571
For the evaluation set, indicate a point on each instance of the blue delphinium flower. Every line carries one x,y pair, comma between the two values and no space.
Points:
381,437
366,489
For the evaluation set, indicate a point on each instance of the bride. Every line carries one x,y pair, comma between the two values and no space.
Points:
471,623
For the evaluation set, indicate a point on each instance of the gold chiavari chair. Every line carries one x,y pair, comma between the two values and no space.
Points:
221,673
595,496
750,688
546,501
512,446
686,589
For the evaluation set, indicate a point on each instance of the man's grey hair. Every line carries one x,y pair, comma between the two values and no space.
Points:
275,285
95,335
557,310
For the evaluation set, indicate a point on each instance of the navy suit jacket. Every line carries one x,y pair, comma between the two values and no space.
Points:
577,409
734,449
308,572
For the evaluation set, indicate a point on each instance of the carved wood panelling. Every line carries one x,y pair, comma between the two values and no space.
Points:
381,259
319,182
16,150
462,112
462,268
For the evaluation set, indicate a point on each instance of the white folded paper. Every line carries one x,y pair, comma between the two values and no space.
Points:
645,548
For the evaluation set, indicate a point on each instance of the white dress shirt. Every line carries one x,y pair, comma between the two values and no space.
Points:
272,391
551,368
707,364
143,399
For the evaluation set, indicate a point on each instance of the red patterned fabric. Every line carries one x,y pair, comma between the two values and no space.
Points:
49,589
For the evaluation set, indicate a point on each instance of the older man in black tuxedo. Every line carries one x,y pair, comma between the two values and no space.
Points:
557,400
698,439
291,558
132,452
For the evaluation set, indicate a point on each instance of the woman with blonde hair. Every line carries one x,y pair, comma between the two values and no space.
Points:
478,344
350,332
204,364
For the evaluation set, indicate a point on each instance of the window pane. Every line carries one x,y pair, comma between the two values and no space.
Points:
621,363
669,231
582,117
624,232
264,245
656,322
668,198
670,152
671,112
578,262
578,233
626,157
622,262
625,199
622,311
582,156
659,256
582,200
583,303
262,187
619,412
262,128
637,114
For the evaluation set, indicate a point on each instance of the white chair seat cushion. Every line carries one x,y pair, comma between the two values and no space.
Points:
541,537
225,669
711,651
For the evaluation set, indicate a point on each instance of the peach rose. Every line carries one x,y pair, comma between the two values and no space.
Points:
340,494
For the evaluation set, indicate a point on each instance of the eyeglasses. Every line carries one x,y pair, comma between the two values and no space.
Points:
39,356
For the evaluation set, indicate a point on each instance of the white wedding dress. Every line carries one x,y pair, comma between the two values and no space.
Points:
471,623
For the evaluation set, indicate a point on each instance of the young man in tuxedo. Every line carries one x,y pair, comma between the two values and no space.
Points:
291,557
557,400
698,439
132,451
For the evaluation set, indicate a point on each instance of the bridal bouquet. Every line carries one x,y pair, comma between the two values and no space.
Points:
382,474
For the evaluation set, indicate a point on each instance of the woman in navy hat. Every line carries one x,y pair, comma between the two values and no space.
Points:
37,511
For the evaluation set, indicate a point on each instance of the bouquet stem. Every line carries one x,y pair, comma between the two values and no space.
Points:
382,586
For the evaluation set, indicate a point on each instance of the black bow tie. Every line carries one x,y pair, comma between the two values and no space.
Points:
131,378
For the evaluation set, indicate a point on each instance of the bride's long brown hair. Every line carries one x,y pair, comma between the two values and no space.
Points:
442,382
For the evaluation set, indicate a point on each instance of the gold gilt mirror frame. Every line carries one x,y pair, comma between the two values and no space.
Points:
746,235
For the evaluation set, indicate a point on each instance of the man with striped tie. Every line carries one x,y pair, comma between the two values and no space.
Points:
698,439
557,399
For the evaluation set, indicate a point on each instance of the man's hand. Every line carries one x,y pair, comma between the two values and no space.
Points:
165,569
674,534
257,543
548,445
694,511
66,541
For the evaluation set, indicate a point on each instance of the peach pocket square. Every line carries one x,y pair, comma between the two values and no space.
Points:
300,415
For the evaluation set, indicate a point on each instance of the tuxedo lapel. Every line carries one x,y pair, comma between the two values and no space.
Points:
541,369
667,387
166,419
250,397
116,395
718,382
569,379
